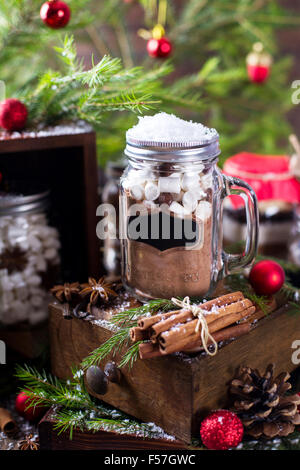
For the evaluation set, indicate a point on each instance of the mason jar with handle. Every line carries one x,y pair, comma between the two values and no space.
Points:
171,197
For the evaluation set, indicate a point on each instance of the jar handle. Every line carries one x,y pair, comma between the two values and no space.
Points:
233,262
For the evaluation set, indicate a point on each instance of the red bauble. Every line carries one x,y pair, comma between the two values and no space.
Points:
31,414
13,114
267,277
258,73
221,430
55,14
159,47
258,63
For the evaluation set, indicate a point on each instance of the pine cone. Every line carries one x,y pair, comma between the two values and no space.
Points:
260,401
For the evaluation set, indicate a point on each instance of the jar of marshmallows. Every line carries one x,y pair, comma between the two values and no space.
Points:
171,200
29,256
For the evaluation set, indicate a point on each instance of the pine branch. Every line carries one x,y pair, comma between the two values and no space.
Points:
121,339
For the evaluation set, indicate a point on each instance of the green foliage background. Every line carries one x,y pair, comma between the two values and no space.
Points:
210,84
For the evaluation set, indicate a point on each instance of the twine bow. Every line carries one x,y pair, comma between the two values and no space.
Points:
198,312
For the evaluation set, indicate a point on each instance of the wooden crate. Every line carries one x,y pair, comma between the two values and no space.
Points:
64,159
176,392
50,439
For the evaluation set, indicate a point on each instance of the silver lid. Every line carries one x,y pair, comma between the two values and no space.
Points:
205,148
15,204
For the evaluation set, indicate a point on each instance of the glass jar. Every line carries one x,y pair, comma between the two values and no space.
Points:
294,242
29,257
278,194
171,199
110,195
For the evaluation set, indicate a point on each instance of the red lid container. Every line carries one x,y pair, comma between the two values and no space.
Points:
268,175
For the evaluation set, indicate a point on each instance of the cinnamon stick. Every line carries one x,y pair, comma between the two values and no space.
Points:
221,335
7,422
137,334
165,325
148,350
146,322
177,339
259,314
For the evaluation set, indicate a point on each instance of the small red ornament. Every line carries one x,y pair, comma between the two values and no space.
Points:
267,277
221,430
159,47
55,13
31,414
258,64
13,114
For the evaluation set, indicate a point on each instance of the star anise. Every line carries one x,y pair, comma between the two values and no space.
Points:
97,290
13,259
65,292
29,443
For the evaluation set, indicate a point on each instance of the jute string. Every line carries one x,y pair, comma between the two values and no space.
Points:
198,312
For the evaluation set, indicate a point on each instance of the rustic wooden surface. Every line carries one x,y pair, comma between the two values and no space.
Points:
29,341
101,440
173,392
67,165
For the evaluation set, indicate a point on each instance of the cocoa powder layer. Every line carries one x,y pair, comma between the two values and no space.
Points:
174,272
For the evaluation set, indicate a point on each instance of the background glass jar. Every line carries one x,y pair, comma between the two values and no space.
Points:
278,194
110,195
29,257
171,201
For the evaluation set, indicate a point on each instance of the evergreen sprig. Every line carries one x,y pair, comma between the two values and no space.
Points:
121,339
78,93
238,282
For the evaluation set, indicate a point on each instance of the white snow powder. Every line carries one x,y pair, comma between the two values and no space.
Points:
163,127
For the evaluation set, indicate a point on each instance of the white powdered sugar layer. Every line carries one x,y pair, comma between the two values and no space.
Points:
164,127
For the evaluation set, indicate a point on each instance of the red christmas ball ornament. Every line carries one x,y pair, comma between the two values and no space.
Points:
159,47
258,64
55,14
13,114
267,277
221,430
31,414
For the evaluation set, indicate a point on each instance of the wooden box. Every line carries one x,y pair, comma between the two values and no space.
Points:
64,159
176,391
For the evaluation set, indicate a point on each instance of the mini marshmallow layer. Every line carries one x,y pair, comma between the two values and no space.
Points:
22,296
187,191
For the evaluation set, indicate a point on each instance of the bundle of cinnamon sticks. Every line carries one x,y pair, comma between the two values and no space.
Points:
174,331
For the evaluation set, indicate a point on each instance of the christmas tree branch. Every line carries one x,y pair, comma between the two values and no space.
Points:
74,406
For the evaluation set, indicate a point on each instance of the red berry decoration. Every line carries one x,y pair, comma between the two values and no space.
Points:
221,430
13,114
159,47
55,14
258,73
267,277
258,64
31,414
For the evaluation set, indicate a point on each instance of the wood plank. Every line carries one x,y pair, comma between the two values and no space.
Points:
101,440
